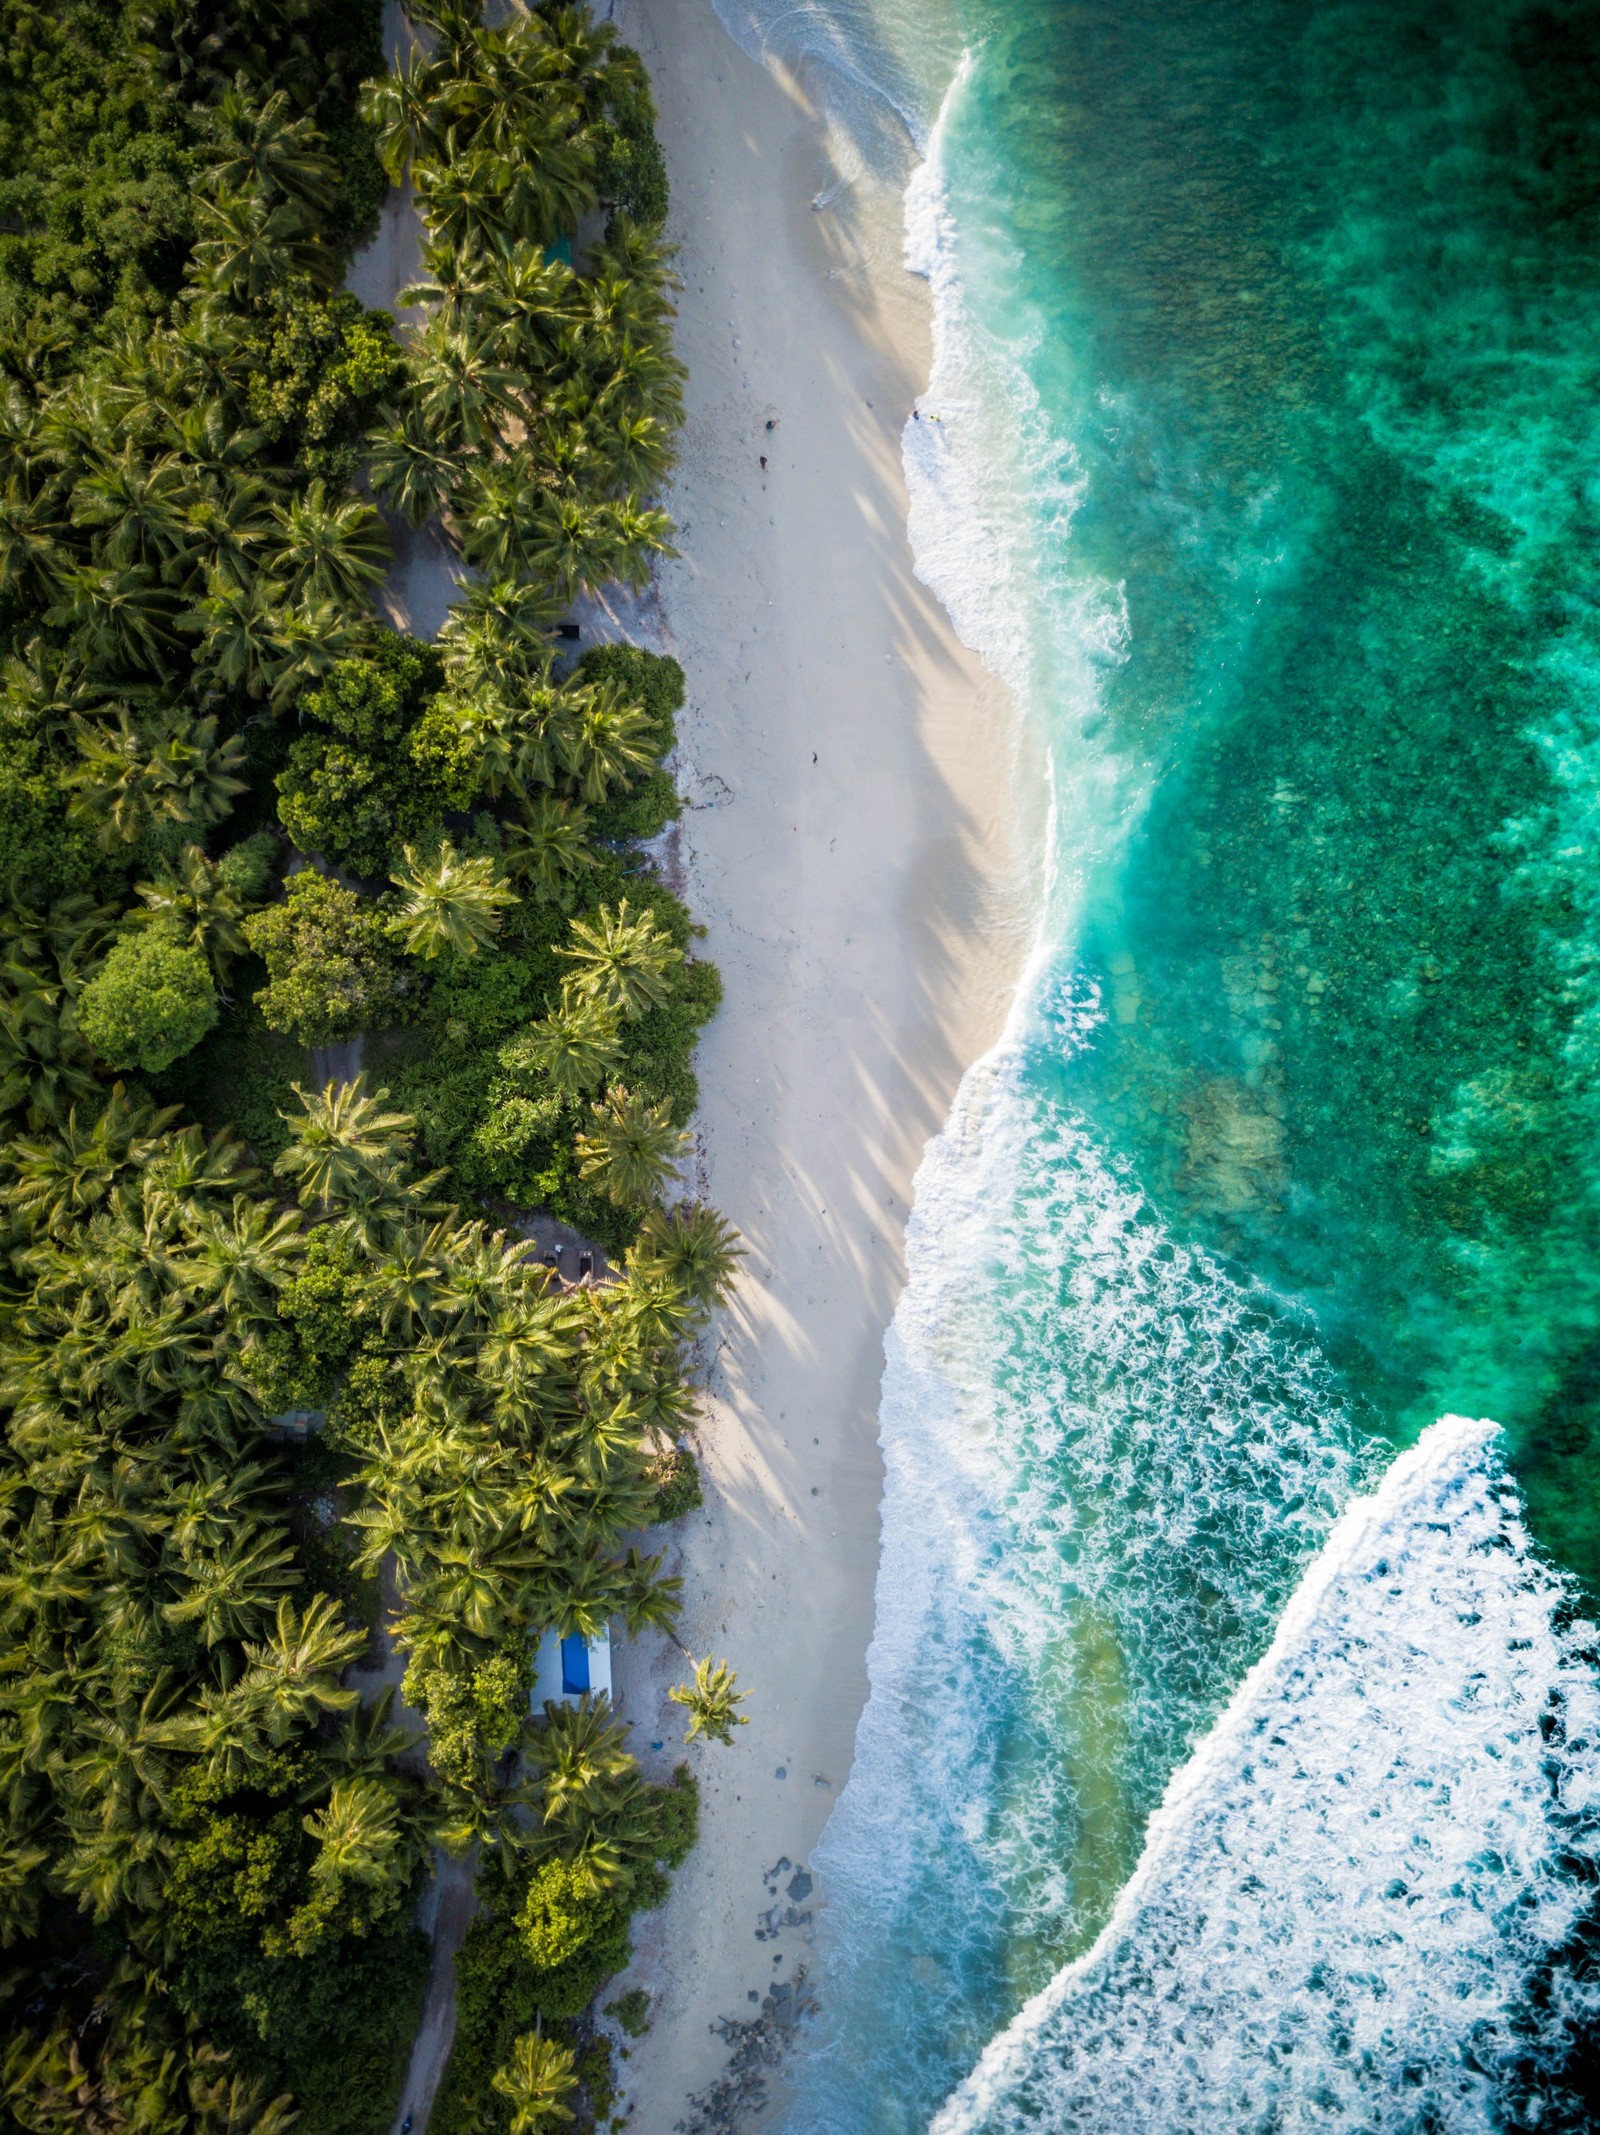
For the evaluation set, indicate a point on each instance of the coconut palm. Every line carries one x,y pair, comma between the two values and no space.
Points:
462,200
327,548
294,1670
267,148
252,245
710,1701
341,1139
453,902
570,543
622,960
650,1602
463,397
496,639
240,627
573,1048
581,1756
118,615
399,106
411,468
549,848
59,1178
547,177
499,502
175,769
638,535
225,1593
631,1149
33,560
691,1248
142,505
244,1255
607,744
359,1834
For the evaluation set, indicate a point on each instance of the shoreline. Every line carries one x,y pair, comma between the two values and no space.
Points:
852,845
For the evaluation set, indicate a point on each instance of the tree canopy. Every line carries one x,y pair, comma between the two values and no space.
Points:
281,1379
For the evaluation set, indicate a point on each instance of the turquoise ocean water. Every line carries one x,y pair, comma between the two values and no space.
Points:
1232,1760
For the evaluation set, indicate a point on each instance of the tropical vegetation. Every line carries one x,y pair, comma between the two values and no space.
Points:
326,953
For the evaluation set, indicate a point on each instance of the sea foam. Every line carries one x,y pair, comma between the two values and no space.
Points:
1106,1464
1347,1890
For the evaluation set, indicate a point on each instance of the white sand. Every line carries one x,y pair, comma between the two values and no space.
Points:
861,908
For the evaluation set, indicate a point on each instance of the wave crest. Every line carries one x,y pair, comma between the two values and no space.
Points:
1347,1890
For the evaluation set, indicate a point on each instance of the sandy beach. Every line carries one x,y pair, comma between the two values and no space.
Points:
848,846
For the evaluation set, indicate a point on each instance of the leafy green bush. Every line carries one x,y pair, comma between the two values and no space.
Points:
151,1001
320,1315
632,2012
638,812
373,771
241,1075
678,1814
318,368
563,1910
677,1481
631,172
94,199
475,1717
332,969
43,856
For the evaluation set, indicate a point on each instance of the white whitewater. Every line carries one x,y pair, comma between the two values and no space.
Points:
1354,1878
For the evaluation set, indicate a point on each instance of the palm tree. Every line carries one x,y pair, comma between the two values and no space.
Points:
609,744
226,1592
574,1047
549,848
710,1701
252,245
638,534
142,504
452,902
240,628
463,201
129,779
294,1671
581,1756
190,761
571,544
200,904
650,1602
547,179
462,395
622,961
340,1140
399,106
691,1248
498,504
538,2079
266,148
630,1150
409,467
359,1834
328,548
61,1178
370,1738
118,615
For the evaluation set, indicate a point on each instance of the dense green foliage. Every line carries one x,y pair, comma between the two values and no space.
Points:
331,968
239,819
547,1937
151,1001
